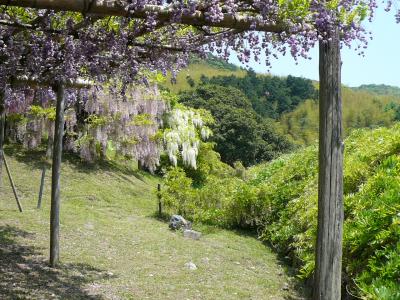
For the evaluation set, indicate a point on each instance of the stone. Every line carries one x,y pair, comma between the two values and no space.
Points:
191,266
89,226
23,267
205,260
177,222
188,233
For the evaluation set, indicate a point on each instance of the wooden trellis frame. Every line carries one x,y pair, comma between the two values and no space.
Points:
330,192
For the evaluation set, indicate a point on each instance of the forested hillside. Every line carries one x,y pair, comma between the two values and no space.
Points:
380,89
361,109
270,96
289,104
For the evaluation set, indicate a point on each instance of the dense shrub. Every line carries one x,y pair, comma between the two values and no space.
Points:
280,198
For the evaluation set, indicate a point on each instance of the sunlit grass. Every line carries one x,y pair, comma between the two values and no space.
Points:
113,248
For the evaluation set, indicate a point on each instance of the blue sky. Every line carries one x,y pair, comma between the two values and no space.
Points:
381,64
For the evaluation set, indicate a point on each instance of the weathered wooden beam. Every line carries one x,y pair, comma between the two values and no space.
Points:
55,178
330,186
32,82
115,8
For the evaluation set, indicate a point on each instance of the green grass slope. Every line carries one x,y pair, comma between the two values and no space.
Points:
113,248
198,68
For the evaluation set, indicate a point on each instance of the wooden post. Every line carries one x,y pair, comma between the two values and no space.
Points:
330,185
55,177
39,203
2,128
159,200
12,183
48,156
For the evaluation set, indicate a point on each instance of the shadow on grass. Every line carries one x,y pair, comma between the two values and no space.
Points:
35,159
24,274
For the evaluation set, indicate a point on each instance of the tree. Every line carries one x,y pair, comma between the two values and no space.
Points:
239,133
270,96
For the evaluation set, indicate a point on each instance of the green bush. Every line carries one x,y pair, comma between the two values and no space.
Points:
280,198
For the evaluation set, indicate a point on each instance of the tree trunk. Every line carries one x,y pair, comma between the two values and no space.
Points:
330,185
2,128
55,177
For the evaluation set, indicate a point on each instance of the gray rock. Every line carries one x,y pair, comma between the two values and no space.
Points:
191,266
177,222
188,233
23,267
205,260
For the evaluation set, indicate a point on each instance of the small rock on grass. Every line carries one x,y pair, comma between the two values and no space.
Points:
195,235
191,266
23,267
205,260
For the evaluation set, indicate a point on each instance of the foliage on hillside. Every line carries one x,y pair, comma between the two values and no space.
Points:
239,133
361,109
280,199
270,96
380,89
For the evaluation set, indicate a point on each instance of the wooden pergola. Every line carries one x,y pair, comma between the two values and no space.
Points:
330,185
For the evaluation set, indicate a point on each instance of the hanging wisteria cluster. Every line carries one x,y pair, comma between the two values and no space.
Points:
139,125
186,130
129,123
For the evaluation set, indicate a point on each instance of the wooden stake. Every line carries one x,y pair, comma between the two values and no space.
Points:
328,261
55,177
11,182
39,203
159,200
48,156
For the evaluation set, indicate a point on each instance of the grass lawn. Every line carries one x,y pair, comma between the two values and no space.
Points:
112,247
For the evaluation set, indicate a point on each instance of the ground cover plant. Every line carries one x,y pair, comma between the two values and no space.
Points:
115,248
280,200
